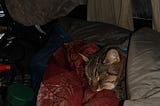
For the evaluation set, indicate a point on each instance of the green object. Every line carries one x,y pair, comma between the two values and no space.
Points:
19,95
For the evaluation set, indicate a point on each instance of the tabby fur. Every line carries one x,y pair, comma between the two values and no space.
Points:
105,68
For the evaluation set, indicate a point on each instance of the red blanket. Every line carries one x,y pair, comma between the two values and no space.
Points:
64,82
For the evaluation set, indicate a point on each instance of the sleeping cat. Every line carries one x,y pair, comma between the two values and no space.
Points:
105,68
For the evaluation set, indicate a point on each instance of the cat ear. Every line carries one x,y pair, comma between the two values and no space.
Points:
112,56
85,58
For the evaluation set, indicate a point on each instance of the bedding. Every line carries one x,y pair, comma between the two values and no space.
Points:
80,30
143,69
143,102
40,12
64,82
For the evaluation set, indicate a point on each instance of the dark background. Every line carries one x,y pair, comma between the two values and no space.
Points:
142,13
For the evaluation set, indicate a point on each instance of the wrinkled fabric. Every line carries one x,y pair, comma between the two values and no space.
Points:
59,87
103,98
39,61
64,82
32,12
143,102
95,31
143,69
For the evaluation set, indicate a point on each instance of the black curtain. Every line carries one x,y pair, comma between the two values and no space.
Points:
142,9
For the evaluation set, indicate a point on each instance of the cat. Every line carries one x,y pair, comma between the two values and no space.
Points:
105,68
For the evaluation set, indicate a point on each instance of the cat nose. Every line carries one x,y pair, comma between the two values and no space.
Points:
96,88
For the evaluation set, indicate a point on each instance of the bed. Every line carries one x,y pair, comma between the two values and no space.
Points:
63,63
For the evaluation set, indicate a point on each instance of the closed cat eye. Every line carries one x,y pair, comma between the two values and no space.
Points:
110,73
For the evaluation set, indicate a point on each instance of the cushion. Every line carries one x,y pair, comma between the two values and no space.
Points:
95,31
143,102
143,69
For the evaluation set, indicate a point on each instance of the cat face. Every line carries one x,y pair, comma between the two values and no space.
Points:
101,70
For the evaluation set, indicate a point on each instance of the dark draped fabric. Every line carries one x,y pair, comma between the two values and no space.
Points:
142,9
64,82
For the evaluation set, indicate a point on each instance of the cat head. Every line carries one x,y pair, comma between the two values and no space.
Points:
112,56
100,69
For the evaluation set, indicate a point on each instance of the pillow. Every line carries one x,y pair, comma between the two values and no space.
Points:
143,69
143,102
95,31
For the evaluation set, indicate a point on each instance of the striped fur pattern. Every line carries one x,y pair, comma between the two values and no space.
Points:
104,69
